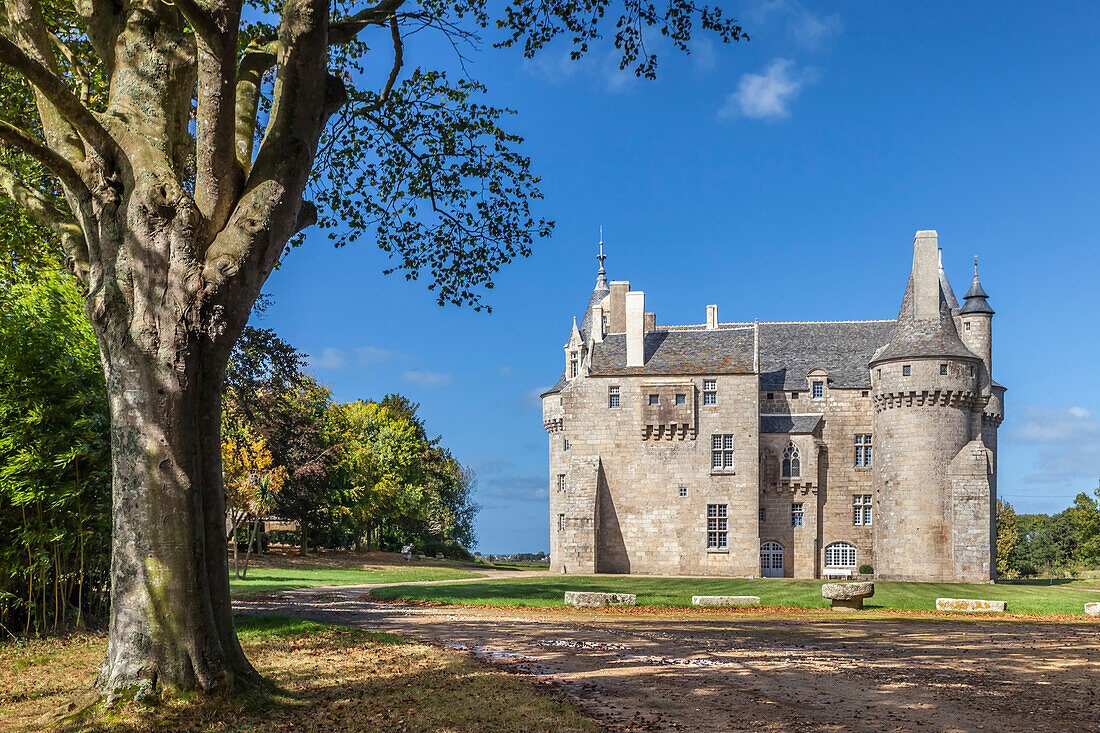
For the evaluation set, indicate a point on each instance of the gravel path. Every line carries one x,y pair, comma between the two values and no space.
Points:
676,671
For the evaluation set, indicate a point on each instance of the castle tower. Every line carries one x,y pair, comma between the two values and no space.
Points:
931,470
976,331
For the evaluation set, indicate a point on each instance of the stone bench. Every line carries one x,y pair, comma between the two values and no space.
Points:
1092,609
584,599
967,605
839,572
725,600
847,595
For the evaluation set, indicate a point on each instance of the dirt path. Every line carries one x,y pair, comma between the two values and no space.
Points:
739,672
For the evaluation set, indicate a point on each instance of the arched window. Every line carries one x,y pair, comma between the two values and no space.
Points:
792,467
840,555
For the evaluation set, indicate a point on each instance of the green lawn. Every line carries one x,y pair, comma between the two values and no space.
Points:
677,592
268,579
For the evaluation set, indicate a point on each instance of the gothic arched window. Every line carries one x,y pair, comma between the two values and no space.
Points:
792,466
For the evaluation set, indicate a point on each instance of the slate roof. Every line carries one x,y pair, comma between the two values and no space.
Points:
790,424
919,337
557,385
976,298
790,351
724,351
597,295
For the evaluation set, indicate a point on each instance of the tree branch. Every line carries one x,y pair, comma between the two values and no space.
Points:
60,96
77,66
103,21
398,61
46,213
257,59
54,162
343,31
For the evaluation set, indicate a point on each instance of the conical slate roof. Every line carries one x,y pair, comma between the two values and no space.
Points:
924,337
976,296
598,294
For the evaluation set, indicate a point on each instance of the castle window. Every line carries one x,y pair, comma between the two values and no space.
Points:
574,363
710,392
863,450
655,399
612,397
683,491
861,510
840,555
972,370
819,390
561,482
721,451
906,370
792,467
864,393
565,445
681,399
717,526
966,326
771,395
794,395
561,522
796,515
943,369
763,514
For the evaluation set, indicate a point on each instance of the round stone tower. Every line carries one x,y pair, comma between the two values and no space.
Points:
927,399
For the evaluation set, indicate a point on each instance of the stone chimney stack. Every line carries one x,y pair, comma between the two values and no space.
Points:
926,275
712,317
635,328
597,324
616,317
650,322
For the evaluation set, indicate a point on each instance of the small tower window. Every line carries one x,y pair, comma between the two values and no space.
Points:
972,370
574,365
863,450
681,399
906,370
771,395
819,390
943,369
966,325
565,445
792,466
796,515
683,491
655,399
794,395
561,522
763,514
561,482
613,396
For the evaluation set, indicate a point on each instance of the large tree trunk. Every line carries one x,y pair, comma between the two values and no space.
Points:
171,623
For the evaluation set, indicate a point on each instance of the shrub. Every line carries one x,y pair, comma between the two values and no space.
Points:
866,570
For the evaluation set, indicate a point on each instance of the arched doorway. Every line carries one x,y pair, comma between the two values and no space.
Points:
771,560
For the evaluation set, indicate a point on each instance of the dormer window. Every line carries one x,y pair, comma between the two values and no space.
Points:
574,365
818,390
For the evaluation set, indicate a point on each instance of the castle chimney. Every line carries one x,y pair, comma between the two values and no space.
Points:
712,317
635,328
650,322
597,324
926,275
616,317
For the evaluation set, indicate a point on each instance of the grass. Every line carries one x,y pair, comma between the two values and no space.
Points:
323,678
270,579
677,593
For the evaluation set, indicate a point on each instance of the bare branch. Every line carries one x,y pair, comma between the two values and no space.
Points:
398,61
54,162
343,31
77,66
60,96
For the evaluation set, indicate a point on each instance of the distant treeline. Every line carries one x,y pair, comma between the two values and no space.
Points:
1045,545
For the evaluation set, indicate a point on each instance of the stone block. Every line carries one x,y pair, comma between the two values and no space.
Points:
1092,609
725,600
847,595
967,605
585,599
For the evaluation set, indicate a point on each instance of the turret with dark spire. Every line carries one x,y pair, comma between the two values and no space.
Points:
976,297
600,292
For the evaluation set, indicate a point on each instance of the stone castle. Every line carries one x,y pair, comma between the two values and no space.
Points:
808,449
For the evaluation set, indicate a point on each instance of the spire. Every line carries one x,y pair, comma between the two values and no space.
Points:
600,292
976,297
601,276
945,286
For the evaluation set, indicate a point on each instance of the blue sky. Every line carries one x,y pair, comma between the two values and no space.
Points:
782,179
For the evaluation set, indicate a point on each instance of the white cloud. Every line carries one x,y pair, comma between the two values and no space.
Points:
365,355
426,379
1068,442
767,95
331,360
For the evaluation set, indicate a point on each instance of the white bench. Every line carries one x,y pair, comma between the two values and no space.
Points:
839,572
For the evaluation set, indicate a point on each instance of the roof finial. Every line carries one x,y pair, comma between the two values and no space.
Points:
975,265
601,276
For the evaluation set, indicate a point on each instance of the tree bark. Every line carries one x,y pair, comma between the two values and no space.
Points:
171,624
